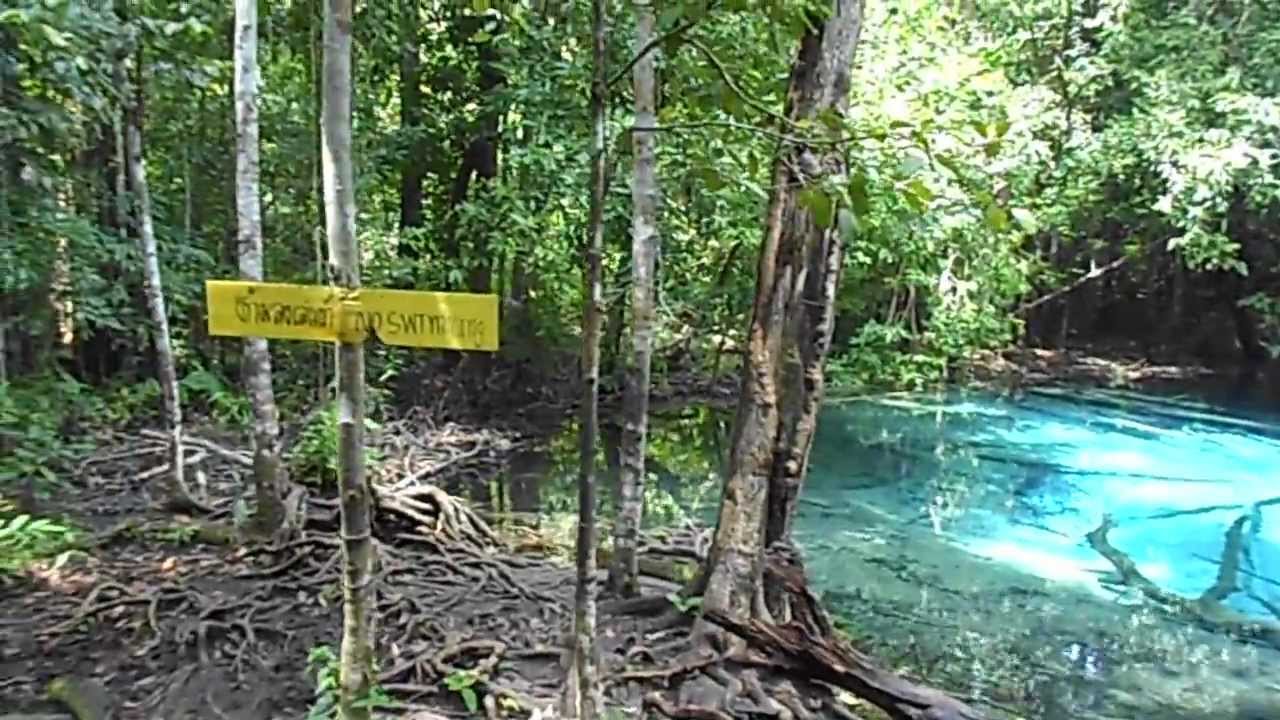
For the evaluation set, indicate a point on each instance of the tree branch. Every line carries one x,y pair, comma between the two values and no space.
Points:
731,125
1080,281
653,44
733,85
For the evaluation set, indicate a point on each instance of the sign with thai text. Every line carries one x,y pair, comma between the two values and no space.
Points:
281,311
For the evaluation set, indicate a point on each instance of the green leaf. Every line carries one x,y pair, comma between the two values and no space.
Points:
470,700
56,37
1024,218
711,178
918,195
949,163
832,119
911,163
996,217
858,197
15,16
820,204
848,223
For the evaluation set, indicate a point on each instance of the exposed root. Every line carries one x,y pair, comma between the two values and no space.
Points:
796,651
437,512
699,660
238,457
495,648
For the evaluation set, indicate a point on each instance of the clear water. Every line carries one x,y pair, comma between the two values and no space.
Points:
951,530
948,530
1022,481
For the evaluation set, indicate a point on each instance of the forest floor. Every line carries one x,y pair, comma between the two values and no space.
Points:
166,617
163,616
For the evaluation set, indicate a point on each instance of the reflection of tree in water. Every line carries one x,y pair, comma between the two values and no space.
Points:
683,460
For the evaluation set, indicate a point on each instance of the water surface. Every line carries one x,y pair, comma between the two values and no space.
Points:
949,532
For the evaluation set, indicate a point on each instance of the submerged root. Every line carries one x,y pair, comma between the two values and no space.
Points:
1208,610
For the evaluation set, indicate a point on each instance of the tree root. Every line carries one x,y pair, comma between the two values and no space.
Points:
656,701
698,661
796,651
438,512
1207,611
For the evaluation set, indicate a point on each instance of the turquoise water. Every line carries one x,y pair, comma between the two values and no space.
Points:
948,531
1022,481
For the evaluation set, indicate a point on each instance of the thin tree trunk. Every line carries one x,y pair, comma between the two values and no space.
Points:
173,486
583,693
356,657
789,335
410,123
267,466
624,573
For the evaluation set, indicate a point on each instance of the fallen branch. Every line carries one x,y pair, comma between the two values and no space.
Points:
1227,582
1206,611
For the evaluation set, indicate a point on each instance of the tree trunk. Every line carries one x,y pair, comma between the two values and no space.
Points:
267,467
480,156
624,573
356,660
173,486
583,697
789,335
411,124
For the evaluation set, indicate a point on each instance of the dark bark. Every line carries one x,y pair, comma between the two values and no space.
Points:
412,168
583,697
480,155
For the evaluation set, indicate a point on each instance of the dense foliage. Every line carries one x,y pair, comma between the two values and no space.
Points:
998,152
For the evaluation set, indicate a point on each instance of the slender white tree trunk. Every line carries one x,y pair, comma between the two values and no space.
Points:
624,573
267,467
174,491
356,657
583,698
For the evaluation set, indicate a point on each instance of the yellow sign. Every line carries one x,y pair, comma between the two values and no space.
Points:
456,321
